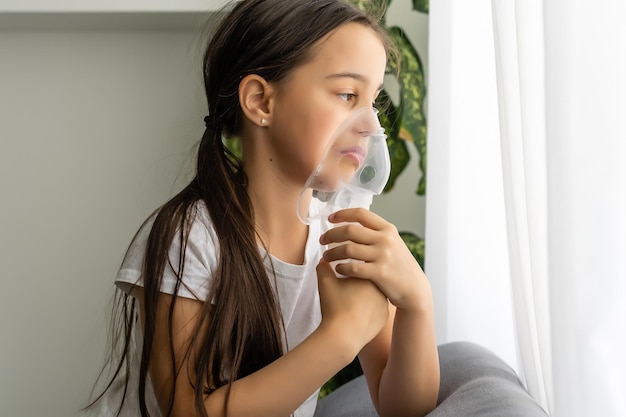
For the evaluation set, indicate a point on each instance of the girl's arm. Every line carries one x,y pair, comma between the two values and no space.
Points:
353,312
401,364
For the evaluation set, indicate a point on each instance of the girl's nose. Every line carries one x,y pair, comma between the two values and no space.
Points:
367,121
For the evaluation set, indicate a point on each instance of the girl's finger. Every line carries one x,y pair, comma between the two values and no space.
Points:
349,232
357,252
363,270
359,215
325,271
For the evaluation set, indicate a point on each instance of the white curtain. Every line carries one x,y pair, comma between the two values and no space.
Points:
466,249
518,36
553,133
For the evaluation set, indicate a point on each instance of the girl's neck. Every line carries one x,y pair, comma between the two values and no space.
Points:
278,226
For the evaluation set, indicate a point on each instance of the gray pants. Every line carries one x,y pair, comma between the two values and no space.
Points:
474,383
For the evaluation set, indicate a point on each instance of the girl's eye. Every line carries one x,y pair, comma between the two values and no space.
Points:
347,96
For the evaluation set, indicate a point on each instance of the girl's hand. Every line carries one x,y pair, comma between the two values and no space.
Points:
387,261
354,308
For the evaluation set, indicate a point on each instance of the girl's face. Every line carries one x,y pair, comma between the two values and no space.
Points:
344,75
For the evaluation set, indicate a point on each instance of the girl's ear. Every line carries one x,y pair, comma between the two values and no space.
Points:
256,97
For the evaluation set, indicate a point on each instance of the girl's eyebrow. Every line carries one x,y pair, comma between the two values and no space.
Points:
352,75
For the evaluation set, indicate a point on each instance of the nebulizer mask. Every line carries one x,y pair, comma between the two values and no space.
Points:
355,166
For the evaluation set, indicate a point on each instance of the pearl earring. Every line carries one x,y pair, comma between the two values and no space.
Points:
263,121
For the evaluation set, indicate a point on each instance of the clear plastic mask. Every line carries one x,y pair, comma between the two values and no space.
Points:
355,166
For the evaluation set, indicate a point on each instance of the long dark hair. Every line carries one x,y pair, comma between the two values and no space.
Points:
241,327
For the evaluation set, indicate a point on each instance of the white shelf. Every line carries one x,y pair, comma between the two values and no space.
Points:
110,6
105,15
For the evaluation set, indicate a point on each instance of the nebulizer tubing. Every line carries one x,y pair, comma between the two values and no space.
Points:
355,167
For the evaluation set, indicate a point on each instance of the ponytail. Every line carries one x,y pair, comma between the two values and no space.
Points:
242,335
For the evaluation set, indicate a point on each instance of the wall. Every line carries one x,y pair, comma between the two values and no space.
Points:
98,128
96,132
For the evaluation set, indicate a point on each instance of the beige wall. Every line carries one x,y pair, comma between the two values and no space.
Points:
97,128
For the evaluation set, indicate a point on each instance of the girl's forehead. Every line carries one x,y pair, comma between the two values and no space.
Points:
351,48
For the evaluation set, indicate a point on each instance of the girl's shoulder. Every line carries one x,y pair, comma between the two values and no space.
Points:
201,230
201,250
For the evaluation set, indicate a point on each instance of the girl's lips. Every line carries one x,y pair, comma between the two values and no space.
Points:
356,154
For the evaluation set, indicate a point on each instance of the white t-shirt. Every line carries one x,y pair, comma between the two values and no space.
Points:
295,286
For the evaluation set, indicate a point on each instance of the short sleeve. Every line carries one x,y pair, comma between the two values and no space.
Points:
199,263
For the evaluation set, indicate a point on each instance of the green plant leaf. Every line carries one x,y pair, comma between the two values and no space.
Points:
400,156
415,245
347,374
367,5
390,117
234,145
412,93
362,4
377,8
420,5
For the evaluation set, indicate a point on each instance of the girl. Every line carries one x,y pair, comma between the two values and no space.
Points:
239,311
